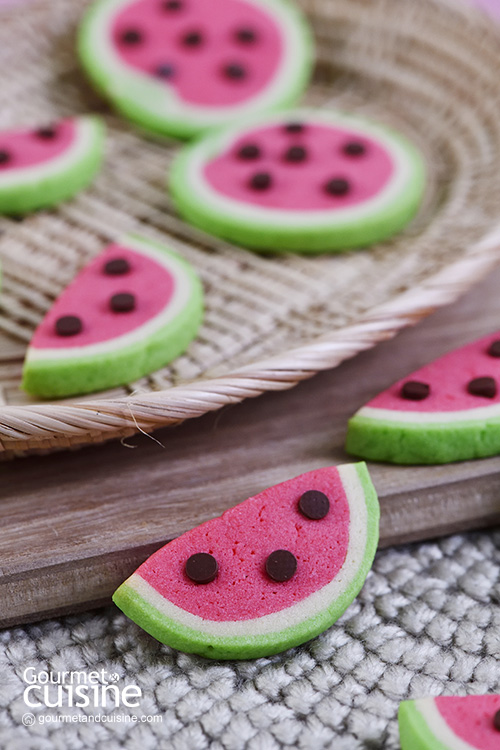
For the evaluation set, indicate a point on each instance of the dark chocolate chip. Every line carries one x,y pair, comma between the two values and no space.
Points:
249,151
296,154
413,390
192,39
165,70
496,721
4,157
485,387
245,35
494,349
117,267
171,5
122,302
354,148
294,127
68,325
281,565
131,36
337,186
261,181
314,504
47,133
234,71
201,567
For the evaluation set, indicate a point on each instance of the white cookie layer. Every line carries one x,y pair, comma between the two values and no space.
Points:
213,145
430,714
479,413
180,298
309,607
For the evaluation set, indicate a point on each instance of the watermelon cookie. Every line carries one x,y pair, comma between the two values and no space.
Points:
42,167
450,723
178,67
268,574
447,411
306,181
133,309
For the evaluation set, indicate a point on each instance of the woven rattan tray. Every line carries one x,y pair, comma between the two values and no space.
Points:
430,68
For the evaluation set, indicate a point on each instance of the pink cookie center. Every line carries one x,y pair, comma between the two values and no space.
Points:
27,148
301,166
243,538
212,52
89,296
448,378
471,719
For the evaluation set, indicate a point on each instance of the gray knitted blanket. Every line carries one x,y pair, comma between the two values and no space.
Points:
427,622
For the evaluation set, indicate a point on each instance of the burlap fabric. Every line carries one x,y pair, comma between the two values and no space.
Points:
427,622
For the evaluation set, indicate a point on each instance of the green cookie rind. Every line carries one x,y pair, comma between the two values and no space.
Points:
67,377
114,86
414,733
431,443
183,638
267,236
57,186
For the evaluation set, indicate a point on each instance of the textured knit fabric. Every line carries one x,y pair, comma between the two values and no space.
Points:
427,622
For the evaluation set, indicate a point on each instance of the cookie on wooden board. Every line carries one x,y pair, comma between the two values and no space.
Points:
270,573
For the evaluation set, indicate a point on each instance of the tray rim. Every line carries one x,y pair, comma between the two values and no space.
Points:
46,427
36,428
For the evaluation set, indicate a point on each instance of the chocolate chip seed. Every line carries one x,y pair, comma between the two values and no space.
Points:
165,71
485,387
235,71
294,127
413,390
281,565
192,39
249,151
314,504
354,148
172,5
296,154
246,35
117,267
261,181
47,133
337,186
494,350
496,721
201,567
4,157
68,325
131,36
122,302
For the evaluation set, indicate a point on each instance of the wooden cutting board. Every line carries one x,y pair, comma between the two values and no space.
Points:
75,524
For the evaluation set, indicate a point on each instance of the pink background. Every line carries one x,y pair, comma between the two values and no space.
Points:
492,6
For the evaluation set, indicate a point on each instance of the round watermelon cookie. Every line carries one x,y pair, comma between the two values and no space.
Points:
178,67
132,310
268,574
43,166
450,723
306,181
448,410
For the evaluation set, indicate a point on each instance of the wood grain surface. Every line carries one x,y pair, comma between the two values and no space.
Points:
75,524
